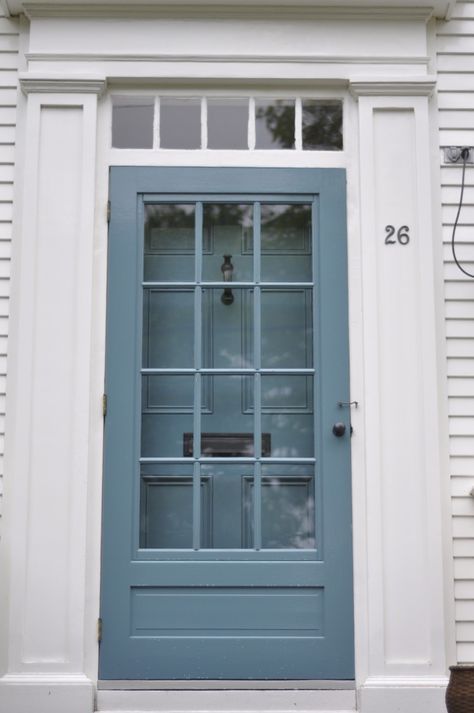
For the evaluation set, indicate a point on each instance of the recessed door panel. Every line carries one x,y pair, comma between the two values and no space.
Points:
226,541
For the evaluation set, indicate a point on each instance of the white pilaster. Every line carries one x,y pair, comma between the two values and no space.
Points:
49,404
405,640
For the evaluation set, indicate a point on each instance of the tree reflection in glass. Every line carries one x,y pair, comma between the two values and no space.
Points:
274,124
322,125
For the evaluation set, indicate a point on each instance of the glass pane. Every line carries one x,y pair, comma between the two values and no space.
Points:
166,511
287,333
274,124
167,415
286,243
288,512
180,123
287,415
132,122
164,393
227,337
228,231
168,328
229,524
287,394
291,434
227,426
165,434
227,123
169,243
322,125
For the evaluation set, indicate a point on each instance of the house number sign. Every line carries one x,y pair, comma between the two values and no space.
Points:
394,236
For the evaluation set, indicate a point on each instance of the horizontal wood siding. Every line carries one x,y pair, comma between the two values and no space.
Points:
455,63
9,63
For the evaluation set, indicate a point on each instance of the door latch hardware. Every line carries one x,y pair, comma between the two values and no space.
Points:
341,404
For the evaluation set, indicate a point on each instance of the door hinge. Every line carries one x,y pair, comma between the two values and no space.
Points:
99,630
109,211
104,405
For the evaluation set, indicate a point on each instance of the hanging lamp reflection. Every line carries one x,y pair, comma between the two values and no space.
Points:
227,270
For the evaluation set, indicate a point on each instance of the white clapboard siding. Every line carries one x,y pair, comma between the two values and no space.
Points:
455,67
9,62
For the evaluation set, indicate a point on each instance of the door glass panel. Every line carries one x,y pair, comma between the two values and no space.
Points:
228,231
287,413
166,508
169,243
168,328
227,426
288,507
167,394
286,243
287,328
164,433
229,505
227,336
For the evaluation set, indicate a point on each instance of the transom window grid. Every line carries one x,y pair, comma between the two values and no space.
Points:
144,123
197,464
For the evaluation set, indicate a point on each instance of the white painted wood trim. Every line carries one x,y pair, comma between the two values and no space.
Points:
396,87
31,83
346,9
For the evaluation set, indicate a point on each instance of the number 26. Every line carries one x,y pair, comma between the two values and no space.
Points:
403,235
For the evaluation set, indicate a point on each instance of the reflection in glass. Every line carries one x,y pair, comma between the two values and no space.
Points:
228,231
227,123
132,122
274,123
163,433
227,341
168,328
180,122
287,394
288,512
169,243
287,332
227,431
230,506
167,393
286,243
166,512
322,125
287,413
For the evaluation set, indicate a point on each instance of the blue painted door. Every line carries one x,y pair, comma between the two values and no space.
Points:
227,503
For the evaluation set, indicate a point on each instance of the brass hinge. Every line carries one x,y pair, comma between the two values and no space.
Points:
99,630
109,211
104,405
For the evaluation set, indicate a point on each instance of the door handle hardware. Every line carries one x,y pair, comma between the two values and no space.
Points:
341,404
339,429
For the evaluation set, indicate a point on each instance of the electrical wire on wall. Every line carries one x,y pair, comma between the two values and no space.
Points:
464,154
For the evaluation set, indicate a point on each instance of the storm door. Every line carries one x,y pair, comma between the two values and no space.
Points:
227,516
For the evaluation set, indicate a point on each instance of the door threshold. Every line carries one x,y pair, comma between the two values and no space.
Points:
228,685
228,701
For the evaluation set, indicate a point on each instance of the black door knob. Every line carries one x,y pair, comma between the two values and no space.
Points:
339,429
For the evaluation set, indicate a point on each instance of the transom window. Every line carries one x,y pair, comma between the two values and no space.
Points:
227,123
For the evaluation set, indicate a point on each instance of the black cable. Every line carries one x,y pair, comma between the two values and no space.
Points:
465,156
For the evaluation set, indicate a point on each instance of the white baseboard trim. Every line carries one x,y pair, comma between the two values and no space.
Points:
394,694
46,693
